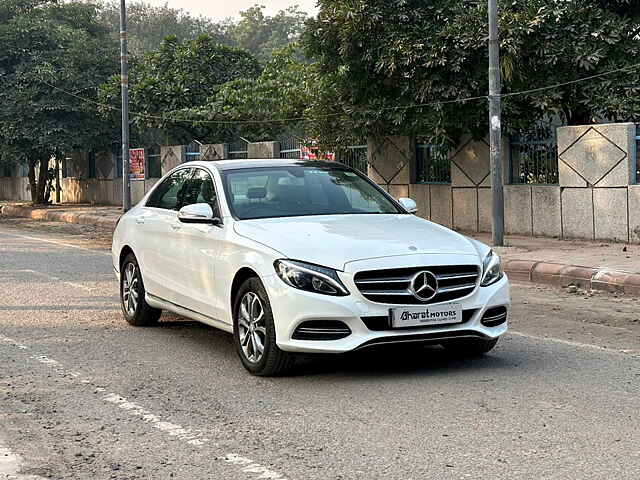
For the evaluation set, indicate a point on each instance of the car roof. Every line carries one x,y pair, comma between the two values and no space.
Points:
222,165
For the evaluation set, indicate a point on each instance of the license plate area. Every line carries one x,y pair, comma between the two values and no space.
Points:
425,315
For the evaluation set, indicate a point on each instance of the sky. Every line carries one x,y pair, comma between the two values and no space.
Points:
220,9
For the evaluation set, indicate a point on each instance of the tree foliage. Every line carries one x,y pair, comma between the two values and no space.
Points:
50,46
260,108
552,42
180,75
379,57
263,35
254,31
149,25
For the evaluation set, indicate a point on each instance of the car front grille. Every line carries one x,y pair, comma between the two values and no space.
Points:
392,286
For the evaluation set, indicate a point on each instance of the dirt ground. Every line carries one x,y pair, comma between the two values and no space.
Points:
90,236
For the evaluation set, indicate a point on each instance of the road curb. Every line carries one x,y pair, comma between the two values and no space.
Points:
56,216
563,275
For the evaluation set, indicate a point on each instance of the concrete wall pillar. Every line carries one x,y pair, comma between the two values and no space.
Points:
597,155
172,156
105,165
597,164
213,152
391,163
471,199
263,150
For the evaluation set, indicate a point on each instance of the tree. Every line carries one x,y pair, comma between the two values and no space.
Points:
48,47
148,26
180,75
261,108
383,58
263,35
546,43
256,32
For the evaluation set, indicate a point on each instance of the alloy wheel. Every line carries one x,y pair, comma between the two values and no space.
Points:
130,289
252,327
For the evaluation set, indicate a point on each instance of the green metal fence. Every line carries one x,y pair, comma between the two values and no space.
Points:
636,158
534,157
238,150
354,156
291,147
153,159
192,152
432,163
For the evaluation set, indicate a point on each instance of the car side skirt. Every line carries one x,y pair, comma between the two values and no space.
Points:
163,304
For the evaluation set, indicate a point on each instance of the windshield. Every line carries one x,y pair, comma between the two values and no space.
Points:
292,191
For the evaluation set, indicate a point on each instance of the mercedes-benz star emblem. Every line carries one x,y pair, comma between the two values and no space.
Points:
424,285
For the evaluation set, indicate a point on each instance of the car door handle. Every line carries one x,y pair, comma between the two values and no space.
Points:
140,221
176,227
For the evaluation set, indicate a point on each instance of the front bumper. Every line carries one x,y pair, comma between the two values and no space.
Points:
291,307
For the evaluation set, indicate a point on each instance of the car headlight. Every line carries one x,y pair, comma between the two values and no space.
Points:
309,277
492,269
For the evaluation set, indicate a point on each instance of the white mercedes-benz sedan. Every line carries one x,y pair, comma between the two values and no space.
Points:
303,257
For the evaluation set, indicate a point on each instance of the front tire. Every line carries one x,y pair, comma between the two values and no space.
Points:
136,310
470,347
254,332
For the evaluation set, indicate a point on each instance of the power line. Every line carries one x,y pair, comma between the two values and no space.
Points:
282,120
336,114
572,82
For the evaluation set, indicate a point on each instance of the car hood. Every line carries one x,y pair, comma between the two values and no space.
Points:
335,240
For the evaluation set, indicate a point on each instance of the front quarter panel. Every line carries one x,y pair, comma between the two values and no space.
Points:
239,252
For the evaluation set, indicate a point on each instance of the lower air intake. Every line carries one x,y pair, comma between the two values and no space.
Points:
494,317
321,330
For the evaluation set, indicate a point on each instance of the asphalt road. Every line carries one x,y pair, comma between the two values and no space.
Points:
85,396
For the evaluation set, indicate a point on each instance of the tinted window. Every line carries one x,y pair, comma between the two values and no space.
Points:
170,193
300,191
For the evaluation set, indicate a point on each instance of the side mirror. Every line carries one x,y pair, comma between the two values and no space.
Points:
409,205
198,213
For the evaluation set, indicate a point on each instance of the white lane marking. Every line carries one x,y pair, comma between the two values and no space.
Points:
571,343
11,464
249,466
191,437
13,342
9,461
62,244
50,362
194,438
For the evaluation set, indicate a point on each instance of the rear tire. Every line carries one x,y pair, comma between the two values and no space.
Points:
470,347
254,332
136,310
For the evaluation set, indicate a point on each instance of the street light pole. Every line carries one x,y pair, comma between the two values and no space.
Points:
495,132
124,76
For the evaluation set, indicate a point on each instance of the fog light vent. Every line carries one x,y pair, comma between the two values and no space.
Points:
321,330
494,316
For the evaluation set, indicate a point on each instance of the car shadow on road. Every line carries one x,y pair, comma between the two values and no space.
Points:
389,360
395,360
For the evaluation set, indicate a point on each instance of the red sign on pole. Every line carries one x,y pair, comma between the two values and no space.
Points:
136,164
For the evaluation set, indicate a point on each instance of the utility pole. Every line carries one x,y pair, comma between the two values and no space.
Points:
495,133
58,172
124,66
